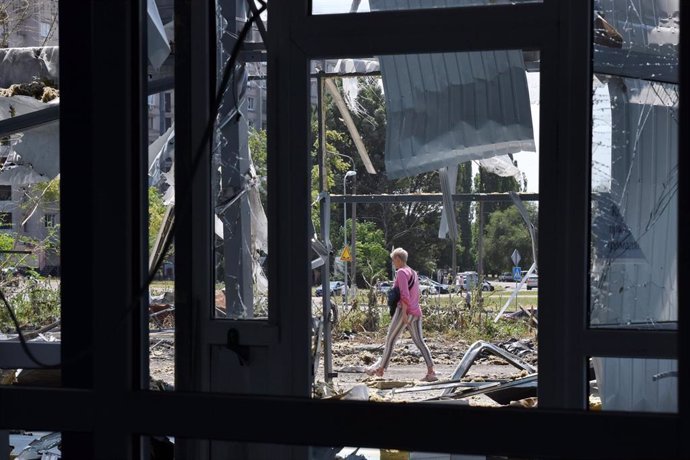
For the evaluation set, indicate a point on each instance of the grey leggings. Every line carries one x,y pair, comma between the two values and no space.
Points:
394,330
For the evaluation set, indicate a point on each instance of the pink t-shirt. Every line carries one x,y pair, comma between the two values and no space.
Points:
409,297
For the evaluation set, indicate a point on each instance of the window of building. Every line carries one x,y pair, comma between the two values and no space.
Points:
6,220
5,192
250,103
168,122
43,29
49,220
168,102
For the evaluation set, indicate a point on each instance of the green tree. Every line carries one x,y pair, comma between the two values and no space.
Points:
372,255
487,182
413,226
506,231
156,213
6,242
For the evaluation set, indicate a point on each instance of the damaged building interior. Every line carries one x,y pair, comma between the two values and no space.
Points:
197,199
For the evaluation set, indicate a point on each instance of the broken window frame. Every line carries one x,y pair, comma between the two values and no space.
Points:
560,28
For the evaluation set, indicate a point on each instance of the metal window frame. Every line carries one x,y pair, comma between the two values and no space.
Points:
106,385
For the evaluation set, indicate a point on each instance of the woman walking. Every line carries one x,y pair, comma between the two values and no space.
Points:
407,314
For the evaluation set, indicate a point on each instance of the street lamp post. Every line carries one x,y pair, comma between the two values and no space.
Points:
347,174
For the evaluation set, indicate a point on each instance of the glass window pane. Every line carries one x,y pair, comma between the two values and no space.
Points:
634,385
30,250
31,444
634,186
30,194
239,182
425,152
161,196
364,6
161,201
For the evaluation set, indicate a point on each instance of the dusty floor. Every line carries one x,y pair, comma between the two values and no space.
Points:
352,354
407,368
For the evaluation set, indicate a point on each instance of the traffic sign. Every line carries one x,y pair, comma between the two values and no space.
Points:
515,257
346,256
517,273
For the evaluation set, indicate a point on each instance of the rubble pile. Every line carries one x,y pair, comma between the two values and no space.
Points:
44,91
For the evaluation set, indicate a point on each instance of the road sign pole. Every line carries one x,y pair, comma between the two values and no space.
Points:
517,276
516,295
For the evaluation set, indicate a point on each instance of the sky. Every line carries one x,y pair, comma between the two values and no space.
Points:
528,162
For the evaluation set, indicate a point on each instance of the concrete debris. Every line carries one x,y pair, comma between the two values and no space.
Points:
47,378
383,384
391,454
160,385
594,403
162,315
527,402
327,390
7,376
357,393
501,391
352,369
44,91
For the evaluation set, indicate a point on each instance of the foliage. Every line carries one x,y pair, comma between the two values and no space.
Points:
505,232
34,300
372,257
447,316
413,226
156,214
6,242
258,151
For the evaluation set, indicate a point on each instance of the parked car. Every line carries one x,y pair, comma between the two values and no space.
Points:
506,277
384,286
486,286
336,288
426,288
532,282
440,287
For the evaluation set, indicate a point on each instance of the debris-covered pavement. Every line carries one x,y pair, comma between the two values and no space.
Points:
402,379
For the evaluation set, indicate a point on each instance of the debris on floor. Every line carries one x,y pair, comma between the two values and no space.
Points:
44,91
527,402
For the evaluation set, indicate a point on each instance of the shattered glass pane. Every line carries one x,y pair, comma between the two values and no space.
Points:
239,180
634,385
30,199
160,129
634,202
637,38
364,6
30,250
33,444
161,200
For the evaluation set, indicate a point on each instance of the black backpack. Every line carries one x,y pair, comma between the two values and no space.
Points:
394,295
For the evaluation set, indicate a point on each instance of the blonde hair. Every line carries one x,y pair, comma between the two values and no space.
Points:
401,253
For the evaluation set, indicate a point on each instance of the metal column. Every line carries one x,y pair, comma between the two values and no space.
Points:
324,210
234,159
104,339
